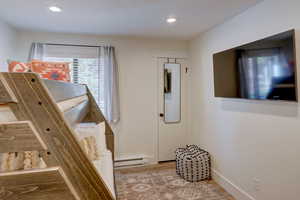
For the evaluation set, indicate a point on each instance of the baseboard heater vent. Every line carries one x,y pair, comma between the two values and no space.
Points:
130,162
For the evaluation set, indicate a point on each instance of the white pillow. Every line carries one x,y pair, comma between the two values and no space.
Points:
85,130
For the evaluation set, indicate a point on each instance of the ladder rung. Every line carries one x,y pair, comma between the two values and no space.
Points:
37,184
20,136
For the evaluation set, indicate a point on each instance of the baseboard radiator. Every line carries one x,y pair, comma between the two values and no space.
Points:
130,162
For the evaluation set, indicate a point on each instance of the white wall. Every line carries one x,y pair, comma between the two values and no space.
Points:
7,44
248,139
137,132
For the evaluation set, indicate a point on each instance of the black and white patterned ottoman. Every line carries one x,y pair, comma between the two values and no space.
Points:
193,163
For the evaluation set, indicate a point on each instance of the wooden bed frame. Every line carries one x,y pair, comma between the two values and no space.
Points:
42,127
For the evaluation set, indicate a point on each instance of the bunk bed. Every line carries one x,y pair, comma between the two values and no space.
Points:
42,115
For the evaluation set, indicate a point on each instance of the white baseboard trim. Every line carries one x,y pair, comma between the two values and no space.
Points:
231,188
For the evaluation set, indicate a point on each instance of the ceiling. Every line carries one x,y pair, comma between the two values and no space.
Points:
144,18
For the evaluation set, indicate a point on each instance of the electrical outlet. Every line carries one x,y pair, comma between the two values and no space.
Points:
256,185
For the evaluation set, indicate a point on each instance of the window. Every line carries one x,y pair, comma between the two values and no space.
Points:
94,66
85,67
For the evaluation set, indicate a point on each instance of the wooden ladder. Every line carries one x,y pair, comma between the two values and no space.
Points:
42,127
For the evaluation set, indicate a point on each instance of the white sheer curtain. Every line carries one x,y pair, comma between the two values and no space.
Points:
111,85
37,51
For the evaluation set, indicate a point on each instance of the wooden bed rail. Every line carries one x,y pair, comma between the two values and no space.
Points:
85,112
95,115
62,91
34,103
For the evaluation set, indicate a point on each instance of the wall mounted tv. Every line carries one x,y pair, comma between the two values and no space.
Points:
261,70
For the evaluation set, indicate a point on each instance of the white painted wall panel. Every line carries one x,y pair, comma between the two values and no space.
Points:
248,139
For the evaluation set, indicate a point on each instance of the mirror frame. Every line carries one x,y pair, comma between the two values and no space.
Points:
164,96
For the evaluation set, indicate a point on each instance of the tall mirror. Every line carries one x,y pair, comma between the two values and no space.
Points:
172,93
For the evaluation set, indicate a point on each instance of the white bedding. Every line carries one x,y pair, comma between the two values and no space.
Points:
105,168
92,129
104,164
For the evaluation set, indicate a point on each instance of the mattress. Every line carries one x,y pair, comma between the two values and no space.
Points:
105,168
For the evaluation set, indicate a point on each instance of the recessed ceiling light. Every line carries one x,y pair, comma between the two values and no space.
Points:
55,9
171,20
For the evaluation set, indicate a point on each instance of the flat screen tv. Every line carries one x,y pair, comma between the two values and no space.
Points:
261,70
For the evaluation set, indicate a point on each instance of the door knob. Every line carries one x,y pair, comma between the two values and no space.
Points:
161,114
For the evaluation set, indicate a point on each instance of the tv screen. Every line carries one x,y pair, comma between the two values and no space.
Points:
262,70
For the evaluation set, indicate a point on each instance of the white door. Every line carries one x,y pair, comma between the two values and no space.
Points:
172,107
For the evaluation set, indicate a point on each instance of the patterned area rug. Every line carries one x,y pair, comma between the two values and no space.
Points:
160,182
